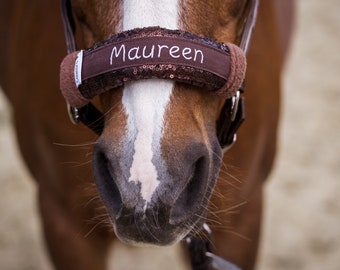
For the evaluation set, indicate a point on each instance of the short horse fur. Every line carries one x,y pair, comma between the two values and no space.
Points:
158,165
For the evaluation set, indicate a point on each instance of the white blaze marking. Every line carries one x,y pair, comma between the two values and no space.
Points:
145,101
145,104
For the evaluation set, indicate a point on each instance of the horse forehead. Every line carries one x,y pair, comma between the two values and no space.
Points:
143,13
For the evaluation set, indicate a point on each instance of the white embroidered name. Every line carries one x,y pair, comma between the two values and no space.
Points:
155,51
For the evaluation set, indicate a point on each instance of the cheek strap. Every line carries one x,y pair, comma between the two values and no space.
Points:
149,53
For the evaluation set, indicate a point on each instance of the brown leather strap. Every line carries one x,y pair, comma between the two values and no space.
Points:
249,25
69,26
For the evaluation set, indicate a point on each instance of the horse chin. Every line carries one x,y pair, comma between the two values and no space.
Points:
143,234
149,238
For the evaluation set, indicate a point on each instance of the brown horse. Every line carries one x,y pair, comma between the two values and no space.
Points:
158,164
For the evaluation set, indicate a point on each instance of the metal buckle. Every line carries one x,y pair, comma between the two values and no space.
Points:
234,105
233,112
202,246
215,261
226,148
219,263
73,113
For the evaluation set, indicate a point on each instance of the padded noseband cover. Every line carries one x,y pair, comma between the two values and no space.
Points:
147,53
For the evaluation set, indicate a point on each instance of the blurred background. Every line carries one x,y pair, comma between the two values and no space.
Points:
302,216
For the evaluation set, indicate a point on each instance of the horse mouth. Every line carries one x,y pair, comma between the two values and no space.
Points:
144,230
163,223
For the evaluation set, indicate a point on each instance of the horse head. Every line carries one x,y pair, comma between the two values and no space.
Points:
158,156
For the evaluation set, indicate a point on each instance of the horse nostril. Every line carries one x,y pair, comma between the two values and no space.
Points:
191,198
105,182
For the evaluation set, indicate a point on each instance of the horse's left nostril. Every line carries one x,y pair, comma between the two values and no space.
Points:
193,195
105,182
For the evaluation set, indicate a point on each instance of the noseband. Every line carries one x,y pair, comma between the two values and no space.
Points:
147,53
155,52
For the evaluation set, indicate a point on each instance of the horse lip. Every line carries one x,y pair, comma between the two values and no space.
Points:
142,233
150,227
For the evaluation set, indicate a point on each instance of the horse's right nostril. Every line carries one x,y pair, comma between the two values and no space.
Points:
193,195
105,182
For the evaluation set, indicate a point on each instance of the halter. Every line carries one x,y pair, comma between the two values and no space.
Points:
232,114
216,80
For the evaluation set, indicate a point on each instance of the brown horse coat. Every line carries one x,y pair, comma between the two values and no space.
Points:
32,48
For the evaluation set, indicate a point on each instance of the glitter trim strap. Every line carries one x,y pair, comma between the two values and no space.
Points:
152,52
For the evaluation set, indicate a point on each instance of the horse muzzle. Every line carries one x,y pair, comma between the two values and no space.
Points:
177,205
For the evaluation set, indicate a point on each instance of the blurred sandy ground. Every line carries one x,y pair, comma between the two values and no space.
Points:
302,217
